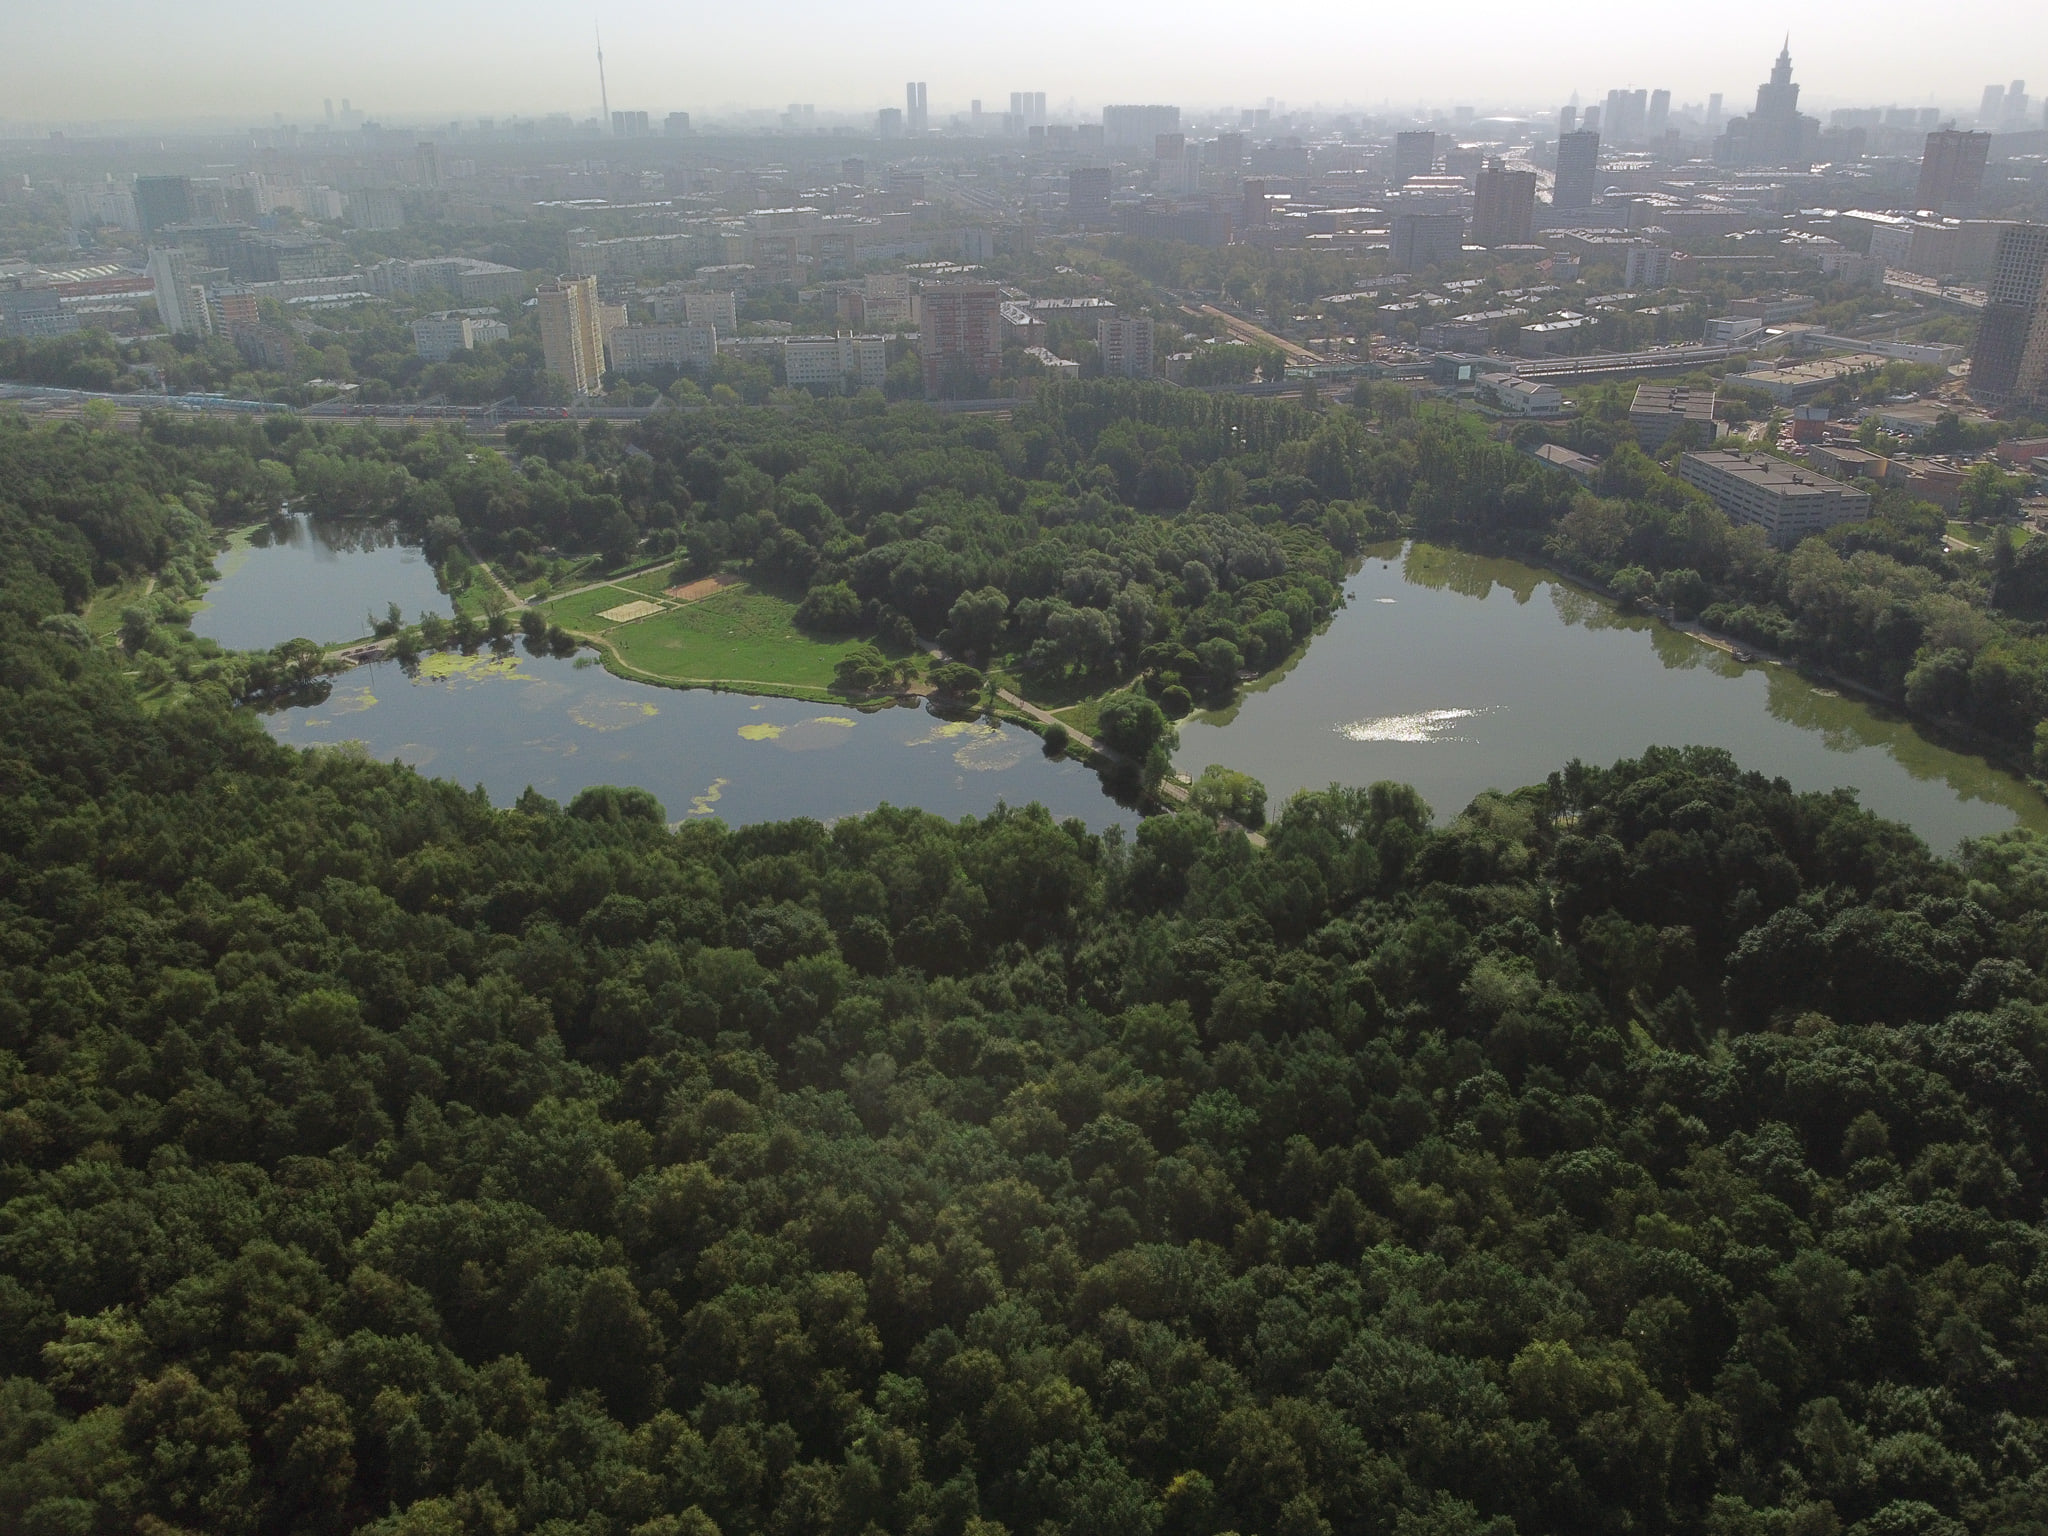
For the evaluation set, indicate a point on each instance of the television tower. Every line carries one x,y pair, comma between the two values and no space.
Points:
603,96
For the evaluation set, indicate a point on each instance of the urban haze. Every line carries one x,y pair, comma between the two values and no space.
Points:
1160,771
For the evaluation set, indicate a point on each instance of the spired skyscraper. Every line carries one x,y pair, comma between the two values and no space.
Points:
1775,134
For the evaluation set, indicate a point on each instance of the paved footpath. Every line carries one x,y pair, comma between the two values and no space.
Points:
1172,789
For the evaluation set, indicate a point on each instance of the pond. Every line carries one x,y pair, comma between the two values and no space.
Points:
514,720
1459,673
297,578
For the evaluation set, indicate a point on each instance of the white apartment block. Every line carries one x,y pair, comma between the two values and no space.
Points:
1787,501
835,360
643,348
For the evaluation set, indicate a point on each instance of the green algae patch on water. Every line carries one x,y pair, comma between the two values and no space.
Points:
447,666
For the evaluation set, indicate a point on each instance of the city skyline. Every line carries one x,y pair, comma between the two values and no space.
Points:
142,66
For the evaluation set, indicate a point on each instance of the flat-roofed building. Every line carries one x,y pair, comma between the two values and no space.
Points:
1658,411
961,337
1786,501
862,361
1126,347
1504,206
1427,239
436,338
646,348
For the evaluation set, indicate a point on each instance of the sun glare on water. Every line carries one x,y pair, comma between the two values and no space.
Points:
1428,725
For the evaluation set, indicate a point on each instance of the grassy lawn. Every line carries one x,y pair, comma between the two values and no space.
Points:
1982,534
649,583
740,634
103,611
580,611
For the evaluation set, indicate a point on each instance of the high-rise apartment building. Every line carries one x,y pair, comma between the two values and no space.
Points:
2014,330
1578,170
180,301
1427,240
1649,266
1952,172
914,115
1505,210
1414,155
1659,122
161,200
1088,196
572,334
961,341
1626,110
427,161
1568,118
1126,347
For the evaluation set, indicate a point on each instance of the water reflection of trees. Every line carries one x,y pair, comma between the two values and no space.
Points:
1467,574
340,536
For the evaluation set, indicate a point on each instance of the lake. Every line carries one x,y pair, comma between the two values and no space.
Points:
1459,673
514,720
1456,673
298,578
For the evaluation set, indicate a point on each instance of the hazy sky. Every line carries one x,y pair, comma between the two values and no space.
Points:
163,59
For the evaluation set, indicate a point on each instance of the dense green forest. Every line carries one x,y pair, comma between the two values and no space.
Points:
1653,1149
1039,544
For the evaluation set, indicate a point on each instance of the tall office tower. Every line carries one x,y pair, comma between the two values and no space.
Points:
1505,210
2016,106
1714,112
1589,120
1952,172
889,123
914,118
1660,114
961,342
161,200
1414,155
1136,127
1578,170
1776,133
2014,324
571,334
1427,240
1992,110
1567,119
180,301
1088,196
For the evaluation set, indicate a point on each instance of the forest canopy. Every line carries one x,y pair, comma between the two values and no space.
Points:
1652,1149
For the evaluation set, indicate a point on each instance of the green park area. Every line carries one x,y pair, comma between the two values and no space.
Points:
740,635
